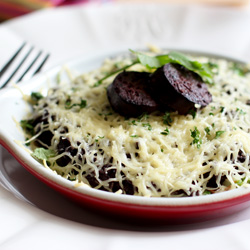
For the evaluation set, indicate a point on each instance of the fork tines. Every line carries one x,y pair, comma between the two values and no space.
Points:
26,62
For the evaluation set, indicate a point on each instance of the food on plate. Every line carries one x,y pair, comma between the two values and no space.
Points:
129,94
146,124
178,88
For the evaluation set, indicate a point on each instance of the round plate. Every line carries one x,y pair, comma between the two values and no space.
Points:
168,210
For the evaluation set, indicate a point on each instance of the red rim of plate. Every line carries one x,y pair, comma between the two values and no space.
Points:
170,213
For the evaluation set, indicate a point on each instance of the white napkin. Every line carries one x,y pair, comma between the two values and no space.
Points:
76,31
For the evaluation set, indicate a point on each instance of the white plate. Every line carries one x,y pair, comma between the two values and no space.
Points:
13,108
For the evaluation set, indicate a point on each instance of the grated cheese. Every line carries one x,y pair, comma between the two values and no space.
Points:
117,154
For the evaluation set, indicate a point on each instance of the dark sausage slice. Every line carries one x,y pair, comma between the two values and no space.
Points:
129,94
180,89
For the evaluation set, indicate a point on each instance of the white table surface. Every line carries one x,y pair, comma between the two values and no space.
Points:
40,218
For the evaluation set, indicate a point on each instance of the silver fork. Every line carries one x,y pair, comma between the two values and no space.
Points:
26,62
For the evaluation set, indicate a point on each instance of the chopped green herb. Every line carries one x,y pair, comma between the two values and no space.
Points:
240,182
82,104
162,150
72,178
27,143
134,136
206,192
134,122
144,116
207,130
212,65
240,111
148,125
99,137
239,69
211,113
36,96
195,134
167,119
27,125
165,132
222,109
43,154
193,113
219,133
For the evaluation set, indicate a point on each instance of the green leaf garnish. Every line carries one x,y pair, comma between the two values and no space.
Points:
82,104
219,133
241,112
144,116
239,69
43,154
147,125
27,125
195,134
222,109
153,62
134,136
36,96
193,113
99,137
167,119
206,192
165,132
207,130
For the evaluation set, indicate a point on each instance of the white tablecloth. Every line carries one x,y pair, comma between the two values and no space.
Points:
40,218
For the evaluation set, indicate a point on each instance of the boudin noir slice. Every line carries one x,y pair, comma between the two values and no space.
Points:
129,94
178,88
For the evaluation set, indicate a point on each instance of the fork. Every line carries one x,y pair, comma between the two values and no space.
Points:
26,62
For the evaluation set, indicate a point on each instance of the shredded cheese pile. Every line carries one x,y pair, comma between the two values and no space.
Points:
154,155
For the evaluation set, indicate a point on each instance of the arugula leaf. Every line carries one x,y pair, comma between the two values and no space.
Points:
152,62
43,154
179,58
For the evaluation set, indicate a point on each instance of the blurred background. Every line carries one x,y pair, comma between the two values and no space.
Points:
13,8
